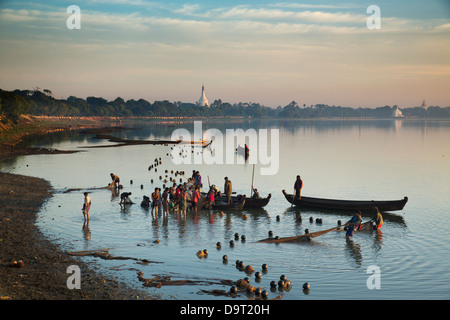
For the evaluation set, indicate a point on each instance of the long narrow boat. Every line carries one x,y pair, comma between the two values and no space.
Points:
352,205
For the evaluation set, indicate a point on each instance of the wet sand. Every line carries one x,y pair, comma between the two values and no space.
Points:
43,275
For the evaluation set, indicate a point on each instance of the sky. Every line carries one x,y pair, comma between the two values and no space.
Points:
268,52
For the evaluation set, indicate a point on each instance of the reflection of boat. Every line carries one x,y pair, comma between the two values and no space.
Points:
308,202
250,203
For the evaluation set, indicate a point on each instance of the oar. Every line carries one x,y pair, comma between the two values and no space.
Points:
293,195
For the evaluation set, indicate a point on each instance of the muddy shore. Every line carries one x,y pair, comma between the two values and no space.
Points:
43,275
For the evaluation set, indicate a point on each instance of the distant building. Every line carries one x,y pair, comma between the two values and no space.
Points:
203,101
397,113
424,105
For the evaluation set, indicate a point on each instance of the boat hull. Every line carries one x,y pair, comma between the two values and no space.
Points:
346,205
250,203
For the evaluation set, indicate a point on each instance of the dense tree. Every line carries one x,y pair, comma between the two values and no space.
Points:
34,102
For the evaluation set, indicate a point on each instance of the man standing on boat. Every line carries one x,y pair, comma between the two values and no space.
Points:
298,187
228,189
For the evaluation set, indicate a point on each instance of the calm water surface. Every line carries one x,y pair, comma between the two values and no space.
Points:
337,159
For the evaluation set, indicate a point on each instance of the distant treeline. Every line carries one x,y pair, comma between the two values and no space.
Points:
42,103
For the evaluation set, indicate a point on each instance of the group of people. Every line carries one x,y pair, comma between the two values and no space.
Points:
355,223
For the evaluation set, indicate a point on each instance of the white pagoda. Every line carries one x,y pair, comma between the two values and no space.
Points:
203,101
397,113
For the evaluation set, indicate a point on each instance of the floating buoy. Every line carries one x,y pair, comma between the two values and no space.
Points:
225,258
241,264
339,222
231,243
278,218
270,233
258,275
142,186
258,291
131,181
306,286
236,236
306,231
277,237
311,219
218,245
233,289
249,269
281,283
264,294
265,266
283,277
205,251
273,283
243,237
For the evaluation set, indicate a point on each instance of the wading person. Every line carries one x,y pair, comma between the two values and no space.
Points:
195,198
298,187
124,198
377,219
353,224
115,180
86,206
155,201
228,189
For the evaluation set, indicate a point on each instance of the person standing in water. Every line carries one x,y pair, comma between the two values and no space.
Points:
86,206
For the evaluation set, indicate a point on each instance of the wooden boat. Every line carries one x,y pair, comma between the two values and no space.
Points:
302,237
250,203
223,205
346,205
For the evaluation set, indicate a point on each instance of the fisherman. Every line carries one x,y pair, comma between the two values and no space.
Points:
298,187
155,200
211,197
255,194
165,200
183,200
115,180
377,219
353,224
228,189
145,202
198,179
124,198
195,198
86,206
216,191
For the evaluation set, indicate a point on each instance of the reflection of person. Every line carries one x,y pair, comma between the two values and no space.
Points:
298,187
352,224
86,206
228,189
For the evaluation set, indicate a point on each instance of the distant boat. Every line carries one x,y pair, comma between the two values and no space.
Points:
347,205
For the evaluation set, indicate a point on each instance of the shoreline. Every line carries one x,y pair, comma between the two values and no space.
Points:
43,275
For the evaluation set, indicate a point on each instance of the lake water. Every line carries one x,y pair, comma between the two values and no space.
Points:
351,159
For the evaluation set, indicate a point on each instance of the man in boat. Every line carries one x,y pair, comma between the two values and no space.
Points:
198,179
115,180
86,206
255,194
298,187
377,219
353,224
228,189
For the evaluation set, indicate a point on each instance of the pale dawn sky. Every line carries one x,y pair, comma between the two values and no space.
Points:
271,52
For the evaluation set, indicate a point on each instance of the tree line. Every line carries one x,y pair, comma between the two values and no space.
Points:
42,103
